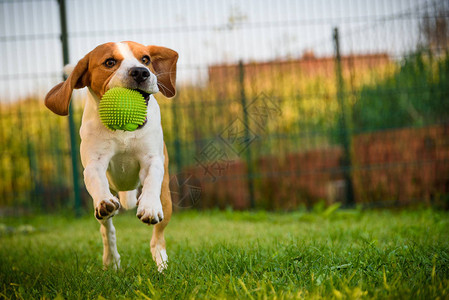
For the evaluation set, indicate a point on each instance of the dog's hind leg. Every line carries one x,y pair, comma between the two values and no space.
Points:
158,249
110,253
128,199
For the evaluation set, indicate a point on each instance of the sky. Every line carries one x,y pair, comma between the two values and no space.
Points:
202,32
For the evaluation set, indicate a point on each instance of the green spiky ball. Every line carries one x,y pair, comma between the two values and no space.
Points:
123,109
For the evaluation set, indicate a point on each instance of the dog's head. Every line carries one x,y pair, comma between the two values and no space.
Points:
148,69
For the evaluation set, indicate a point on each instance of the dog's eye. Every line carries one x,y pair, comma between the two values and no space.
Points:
146,59
110,62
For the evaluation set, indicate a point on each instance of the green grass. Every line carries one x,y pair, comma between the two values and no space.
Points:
342,254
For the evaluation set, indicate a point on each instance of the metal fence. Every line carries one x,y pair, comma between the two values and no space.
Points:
280,104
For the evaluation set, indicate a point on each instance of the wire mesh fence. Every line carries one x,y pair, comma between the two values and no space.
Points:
280,104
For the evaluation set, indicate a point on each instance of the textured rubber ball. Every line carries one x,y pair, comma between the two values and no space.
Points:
122,109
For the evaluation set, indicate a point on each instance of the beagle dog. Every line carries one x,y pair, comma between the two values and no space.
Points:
118,163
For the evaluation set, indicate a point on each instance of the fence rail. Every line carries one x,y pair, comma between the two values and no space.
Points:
279,105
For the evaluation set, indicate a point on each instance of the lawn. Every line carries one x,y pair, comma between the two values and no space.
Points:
341,254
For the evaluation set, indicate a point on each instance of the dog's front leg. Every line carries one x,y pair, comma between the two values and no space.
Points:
150,208
106,205
149,204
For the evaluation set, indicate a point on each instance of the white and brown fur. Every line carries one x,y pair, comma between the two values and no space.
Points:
118,163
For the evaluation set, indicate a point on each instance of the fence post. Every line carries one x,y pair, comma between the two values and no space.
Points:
176,141
345,137
73,144
248,154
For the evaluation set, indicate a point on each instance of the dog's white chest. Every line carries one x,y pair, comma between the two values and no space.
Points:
123,172
123,151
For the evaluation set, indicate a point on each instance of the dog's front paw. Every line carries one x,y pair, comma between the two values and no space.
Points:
150,213
107,208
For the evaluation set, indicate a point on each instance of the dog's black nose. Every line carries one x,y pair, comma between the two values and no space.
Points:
139,74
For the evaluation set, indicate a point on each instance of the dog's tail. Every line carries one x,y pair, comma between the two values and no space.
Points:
68,69
128,199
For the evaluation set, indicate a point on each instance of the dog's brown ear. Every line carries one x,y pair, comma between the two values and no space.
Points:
58,98
164,64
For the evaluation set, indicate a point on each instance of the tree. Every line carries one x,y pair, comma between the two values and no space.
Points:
434,27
